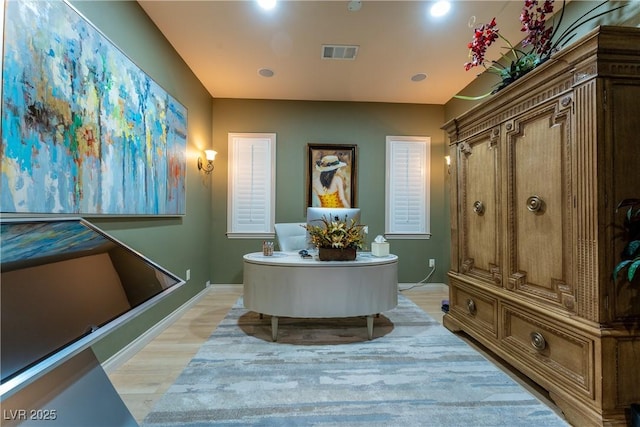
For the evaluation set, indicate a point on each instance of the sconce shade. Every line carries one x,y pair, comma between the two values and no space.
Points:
210,156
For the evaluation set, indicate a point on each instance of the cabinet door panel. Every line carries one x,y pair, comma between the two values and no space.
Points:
479,208
539,205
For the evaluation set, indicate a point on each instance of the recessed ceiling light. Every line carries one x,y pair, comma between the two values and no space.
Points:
267,4
266,72
418,77
354,5
440,8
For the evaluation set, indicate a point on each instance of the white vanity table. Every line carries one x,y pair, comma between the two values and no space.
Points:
288,285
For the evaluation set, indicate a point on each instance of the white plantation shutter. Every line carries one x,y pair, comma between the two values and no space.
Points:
407,187
251,204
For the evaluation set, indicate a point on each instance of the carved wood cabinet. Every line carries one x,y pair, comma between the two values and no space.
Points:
537,171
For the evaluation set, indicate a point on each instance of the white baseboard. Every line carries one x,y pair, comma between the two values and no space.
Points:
118,359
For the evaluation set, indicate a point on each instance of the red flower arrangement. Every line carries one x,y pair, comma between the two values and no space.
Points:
534,21
538,35
483,37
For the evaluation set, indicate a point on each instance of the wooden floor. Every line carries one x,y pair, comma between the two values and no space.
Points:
146,376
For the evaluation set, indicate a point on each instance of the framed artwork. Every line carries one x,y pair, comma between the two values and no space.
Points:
84,130
331,175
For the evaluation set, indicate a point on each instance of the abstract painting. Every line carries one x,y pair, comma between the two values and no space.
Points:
84,130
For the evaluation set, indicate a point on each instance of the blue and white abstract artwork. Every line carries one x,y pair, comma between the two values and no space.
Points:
84,130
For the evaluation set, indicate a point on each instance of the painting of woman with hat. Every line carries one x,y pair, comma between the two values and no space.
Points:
331,173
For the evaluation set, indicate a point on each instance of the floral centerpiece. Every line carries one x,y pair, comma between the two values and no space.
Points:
336,239
541,40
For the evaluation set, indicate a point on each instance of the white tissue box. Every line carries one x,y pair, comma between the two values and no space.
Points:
380,248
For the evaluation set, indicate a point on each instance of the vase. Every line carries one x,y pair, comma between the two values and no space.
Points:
337,254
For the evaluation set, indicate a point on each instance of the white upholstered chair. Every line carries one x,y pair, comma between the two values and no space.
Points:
291,236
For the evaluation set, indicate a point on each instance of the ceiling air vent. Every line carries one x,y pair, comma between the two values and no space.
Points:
338,51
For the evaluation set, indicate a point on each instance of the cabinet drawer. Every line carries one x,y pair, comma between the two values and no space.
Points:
557,354
476,310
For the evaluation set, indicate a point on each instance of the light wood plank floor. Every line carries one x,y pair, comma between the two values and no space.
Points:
147,375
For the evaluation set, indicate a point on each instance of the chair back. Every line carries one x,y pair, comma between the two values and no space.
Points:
291,236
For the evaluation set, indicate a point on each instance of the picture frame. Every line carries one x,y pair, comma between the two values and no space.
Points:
104,138
331,175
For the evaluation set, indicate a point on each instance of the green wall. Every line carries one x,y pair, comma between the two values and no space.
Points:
297,123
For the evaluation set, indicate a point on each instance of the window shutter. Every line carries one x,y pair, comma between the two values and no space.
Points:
407,187
251,184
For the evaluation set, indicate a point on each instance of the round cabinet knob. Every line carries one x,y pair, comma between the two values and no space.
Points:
535,204
537,341
478,207
471,306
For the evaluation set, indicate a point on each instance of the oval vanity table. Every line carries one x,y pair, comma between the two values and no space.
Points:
287,285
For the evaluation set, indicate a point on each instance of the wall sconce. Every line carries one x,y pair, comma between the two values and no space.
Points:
210,156
448,160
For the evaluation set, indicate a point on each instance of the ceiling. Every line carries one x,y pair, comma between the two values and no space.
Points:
225,43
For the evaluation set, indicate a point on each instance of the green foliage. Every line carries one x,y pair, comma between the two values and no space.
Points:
630,256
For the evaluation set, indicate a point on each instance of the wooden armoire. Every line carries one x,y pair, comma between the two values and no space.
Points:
537,170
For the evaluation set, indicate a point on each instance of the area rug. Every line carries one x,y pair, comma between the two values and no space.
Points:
325,372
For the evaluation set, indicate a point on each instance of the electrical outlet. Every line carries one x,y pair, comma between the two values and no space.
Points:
432,262
188,274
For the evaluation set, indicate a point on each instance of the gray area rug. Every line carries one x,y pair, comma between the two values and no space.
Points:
325,372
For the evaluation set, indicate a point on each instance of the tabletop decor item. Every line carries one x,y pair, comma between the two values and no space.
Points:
541,35
336,239
267,248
